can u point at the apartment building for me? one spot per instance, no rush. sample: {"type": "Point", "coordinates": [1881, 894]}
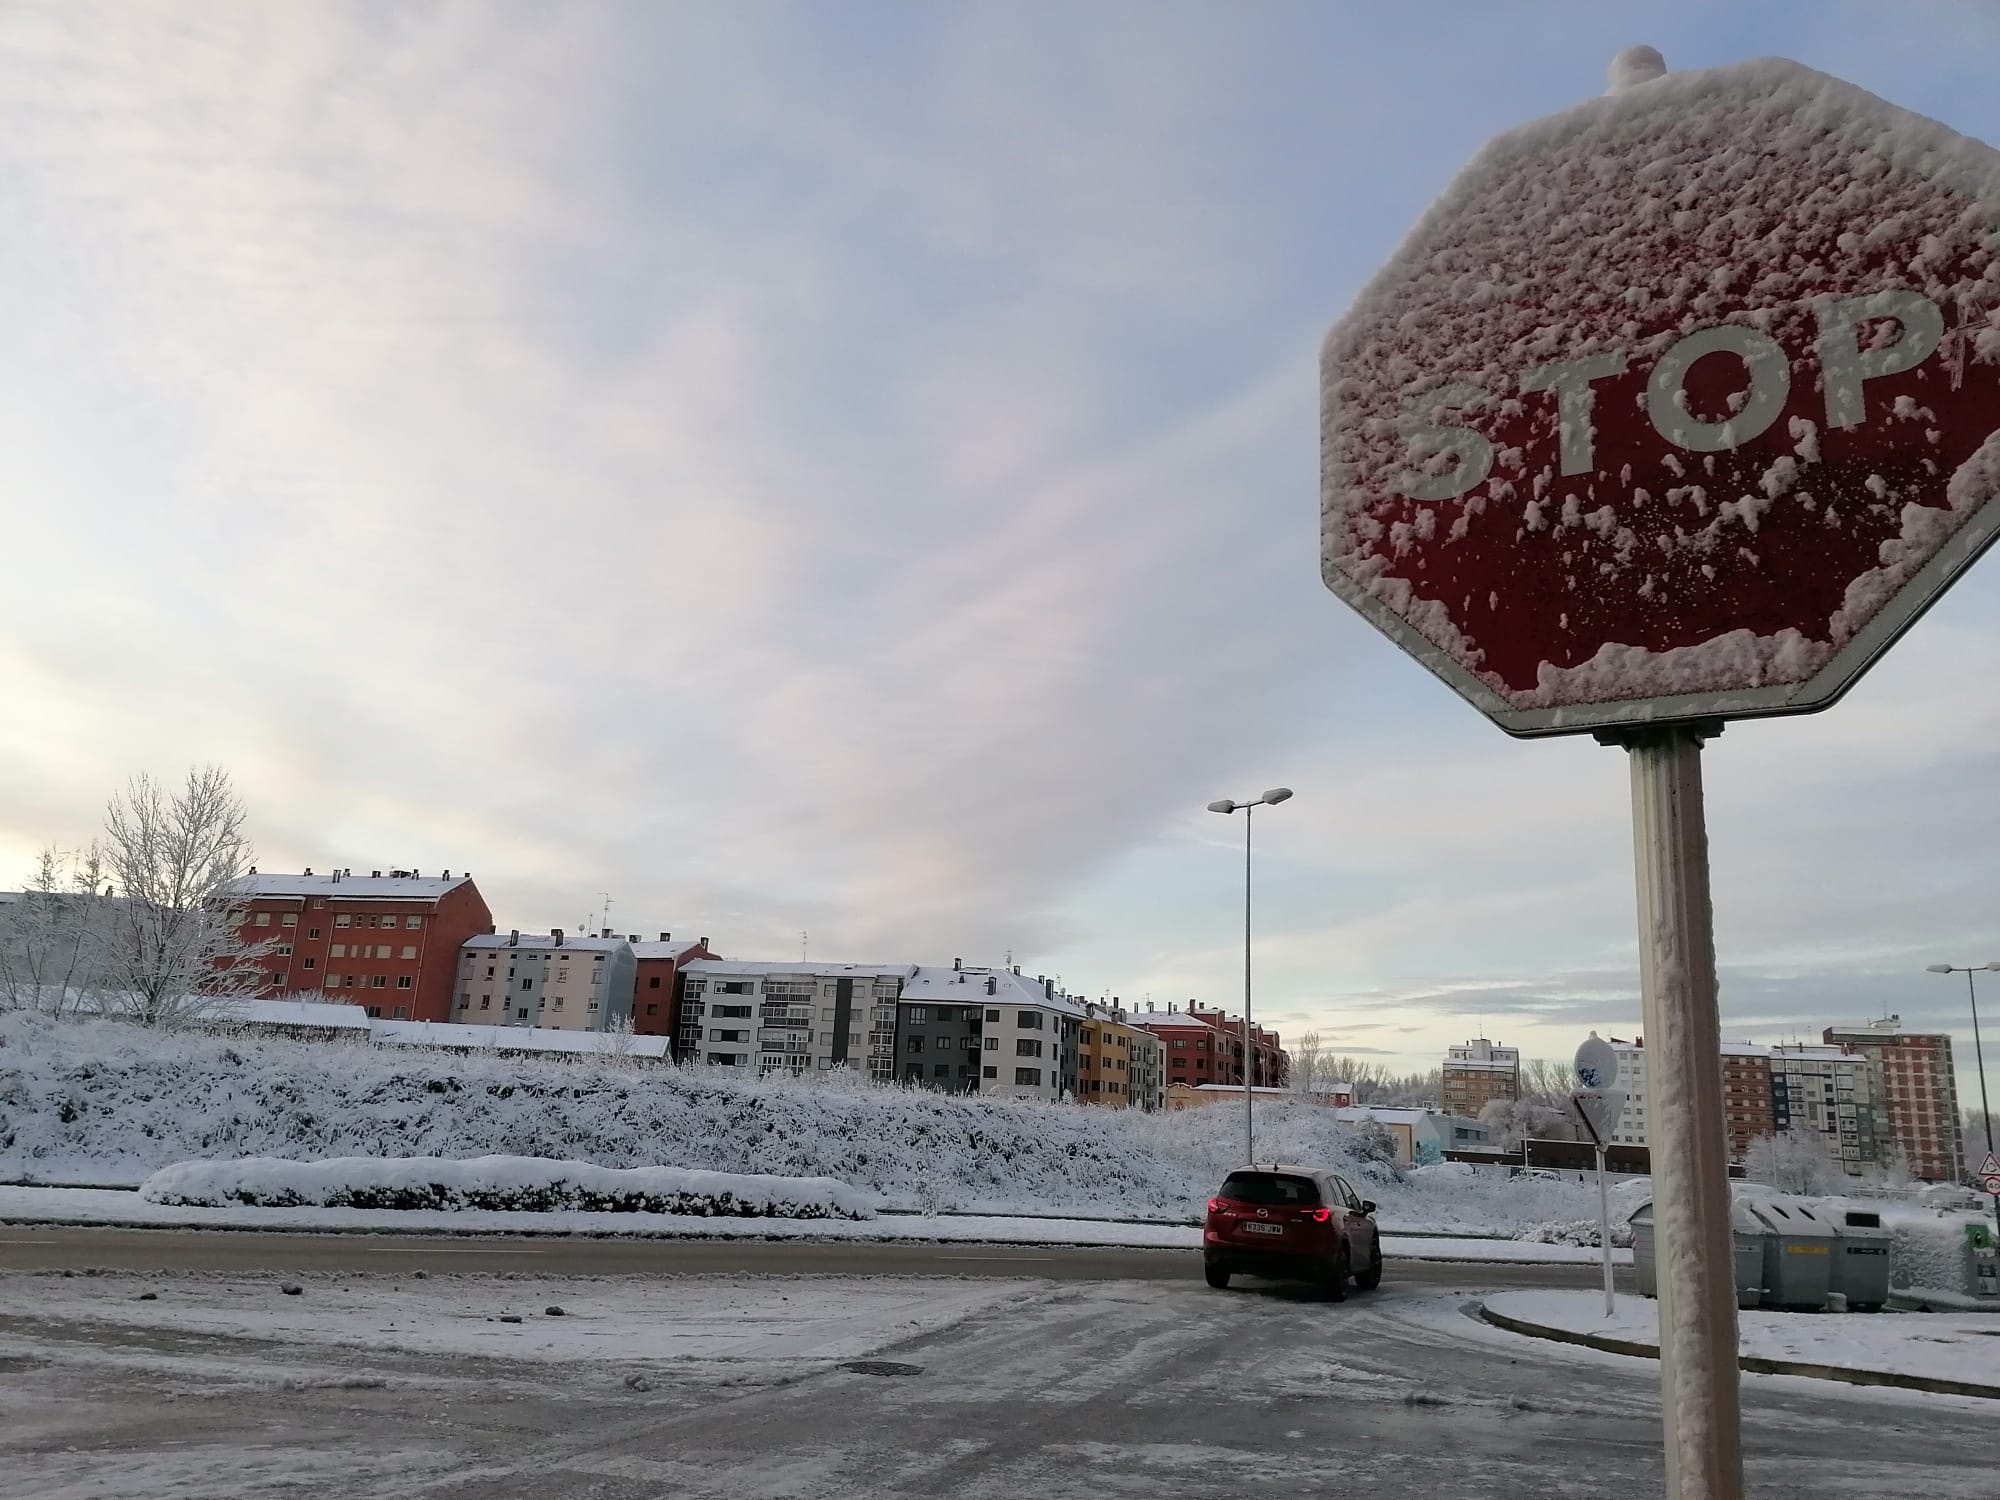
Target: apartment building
{"type": "Point", "coordinates": [1918, 1093]}
{"type": "Point", "coordinates": [1748, 1102]}
{"type": "Point", "coordinates": [656, 987]}
{"type": "Point", "coordinates": [1477, 1072]}
{"type": "Point", "coordinates": [1117, 1061]}
{"type": "Point", "coordinates": [552, 980]}
{"type": "Point", "coordinates": [1830, 1093]}
{"type": "Point", "coordinates": [1204, 1045]}
{"type": "Point", "coordinates": [388, 942]}
{"type": "Point", "coordinates": [789, 1017]}
{"type": "Point", "coordinates": [1029, 1034]}
{"type": "Point", "coordinates": [940, 1027]}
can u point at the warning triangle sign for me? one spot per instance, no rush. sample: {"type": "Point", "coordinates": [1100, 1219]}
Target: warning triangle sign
{"type": "Point", "coordinates": [1991, 1166]}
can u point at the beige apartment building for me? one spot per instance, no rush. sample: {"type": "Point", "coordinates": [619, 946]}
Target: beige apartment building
{"type": "Point", "coordinates": [551, 980]}
{"type": "Point", "coordinates": [1477, 1072]}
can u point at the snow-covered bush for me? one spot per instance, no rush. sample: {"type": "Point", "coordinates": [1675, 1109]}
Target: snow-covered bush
{"type": "Point", "coordinates": [507, 1183]}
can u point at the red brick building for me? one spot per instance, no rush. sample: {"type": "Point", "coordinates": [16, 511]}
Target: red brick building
{"type": "Point", "coordinates": [656, 1000]}
{"type": "Point", "coordinates": [1919, 1092]}
{"type": "Point", "coordinates": [386, 942]}
{"type": "Point", "coordinates": [1206, 1046]}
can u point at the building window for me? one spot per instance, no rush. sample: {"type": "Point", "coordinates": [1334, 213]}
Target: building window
{"type": "Point", "coordinates": [989, 1072]}
{"type": "Point", "coordinates": [653, 983]}
{"type": "Point", "coordinates": [333, 981]}
{"type": "Point", "coordinates": [652, 1010]}
{"type": "Point", "coordinates": [402, 1013]}
{"type": "Point", "coordinates": [312, 963]}
{"type": "Point", "coordinates": [521, 1015]}
{"type": "Point", "coordinates": [942, 1070]}
{"type": "Point", "coordinates": [1028, 1077]}
{"type": "Point", "coordinates": [289, 919]}
{"type": "Point", "coordinates": [528, 984]}
{"type": "Point", "coordinates": [405, 982]}
{"type": "Point", "coordinates": [413, 922]}
{"type": "Point", "coordinates": [916, 1044]}
{"type": "Point", "coordinates": [559, 1002]}
{"type": "Point", "coordinates": [313, 933]}
{"type": "Point", "coordinates": [319, 906]}
{"type": "Point", "coordinates": [485, 1002]}
{"type": "Point", "coordinates": [993, 1016]}
{"type": "Point", "coordinates": [375, 1012]}
{"type": "Point", "coordinates": [263, 919]}
{"type": "Point", "coordinates": [991, 1044]}
{"type": "Point", "coordinates": [379, 982]}
{"type": "Point", "coordinates": [343, 919]}
{"type": "Point", "coordinates": [1027, 1047]}
{"type": "Point", "coordinates": [1028, 1020]}
{"type": "Point", "coordinates": [918, 1015]}
{"type": "Point", "coordinates": [409, 953]}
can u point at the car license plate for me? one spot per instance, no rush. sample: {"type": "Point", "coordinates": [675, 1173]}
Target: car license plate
{"type": "Point", "coordinates": [1265, 1228]}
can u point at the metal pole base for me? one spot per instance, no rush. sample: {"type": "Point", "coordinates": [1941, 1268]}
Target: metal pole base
{"type": "Point", "coordinates": [1699, 1384]}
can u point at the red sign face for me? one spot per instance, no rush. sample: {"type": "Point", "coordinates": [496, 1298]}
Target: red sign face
{"type": "Point", "coordinates": [1681, 404]}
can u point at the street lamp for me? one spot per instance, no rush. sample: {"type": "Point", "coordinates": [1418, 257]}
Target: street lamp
{"type": "Point", "coordinates": [1271, 798]}
{"type": "Point", "coordinates": [1978, 1056]}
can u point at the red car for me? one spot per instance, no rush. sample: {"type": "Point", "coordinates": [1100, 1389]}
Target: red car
{"type": "Point", "coordinates": [1293, 1224]}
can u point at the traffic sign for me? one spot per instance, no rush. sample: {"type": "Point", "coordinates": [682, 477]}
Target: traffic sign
{"type": "Point", "coordinates": [1989, 1173]}
{"type": "Point", "coordinates": [1678, 405]}
{"type": "Point", "coordinates": [1596, 1063]}
{"type": "Point", "coordinates": [1597, 1112]}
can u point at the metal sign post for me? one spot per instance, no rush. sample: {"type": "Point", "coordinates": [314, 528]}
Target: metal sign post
{"type": "Point", "coordinates": [1597, 1106]}
{"type": "Point", "coordinates": [1699, 1386]}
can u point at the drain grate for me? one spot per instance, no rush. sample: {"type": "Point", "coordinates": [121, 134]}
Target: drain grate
{"type": "Point", "coordinates": [881, 1367]}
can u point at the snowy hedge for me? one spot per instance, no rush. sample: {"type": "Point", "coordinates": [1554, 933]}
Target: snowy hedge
{"type": "Point", "coordinates": [521, 1184]}
{"type": "Point", "coordinates": [87, 1101]}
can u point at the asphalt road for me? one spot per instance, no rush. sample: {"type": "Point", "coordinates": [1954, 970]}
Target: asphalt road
{"type": "Point", "coordinates": [1055, 1390]}
{"type": "Point", "coordinates": [58, 1248]}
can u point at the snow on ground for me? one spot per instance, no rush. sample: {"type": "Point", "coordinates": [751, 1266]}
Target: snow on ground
{"type": "Point", "coordinates": [107, 1103]}
{"type": "Point", "coordinates": [507, 1183]}
{"type": "Point", "coordinates": [636, 1321]}
{"type": "Point", "coordinates": [1961, 1347]}
{"type": "Point", "coordinates": [20, 1205]}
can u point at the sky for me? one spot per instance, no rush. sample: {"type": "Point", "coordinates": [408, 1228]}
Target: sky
{"type": "Point", "coordinates": [849, 474]}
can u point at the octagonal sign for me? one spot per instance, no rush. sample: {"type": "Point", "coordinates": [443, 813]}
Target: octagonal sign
{"type": "Point", "coordinates": [1681, 404]}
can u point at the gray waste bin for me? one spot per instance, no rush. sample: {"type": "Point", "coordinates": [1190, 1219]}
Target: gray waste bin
{"type": "Point", "coordinates": [1799, 1252]}
{"type": "Point", "coordinates": [1747, 1233]}
{"type": "Point", "coordinates": [1861, 1261]}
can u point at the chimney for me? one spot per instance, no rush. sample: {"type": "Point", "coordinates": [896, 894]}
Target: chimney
{"type": "Point", "coordinates": [956, 965]}
{"type": "Point", "coordinates": [666, 937]}
{"type": "Point", "coordinates": [336, 877]}
{"type": "Point", "coordinates": [1049, 988]}
{"type": "Point", "coordinates": [253, 869]}
{"type": "Point", "coordinates": [702, 941]}
{"type": "Point", "coordinates": [606, 933]}
{"type": "Point", "coordinates": [1017, 968]}
{"type": "Point", "coordinates": [309, 869]}
{"type": "Point", "coordinates": [514, 938]}
{"type": "Point", "coordinates": [377, 875]}
{"type": "Point", "coordinates": [557, 933]}
{"type": "Point", "coordinates": [631, 937]}
{"type": "Point", "coordinates": [447, 874]}
{"type": "Point", "coordinates": [992, 985]}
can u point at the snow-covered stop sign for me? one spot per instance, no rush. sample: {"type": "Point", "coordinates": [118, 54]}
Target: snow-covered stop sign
{"type": "Point", "coordinates": [1681, 404]}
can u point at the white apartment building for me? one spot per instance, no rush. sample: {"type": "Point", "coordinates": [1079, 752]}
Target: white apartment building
{"type": "Point", "coordinates": [786, 1017]}
{"type": "Point", "coordinates": [1028, 1034]}
{"type": "Point", "coordinates": [551, 980]}
{"type": "Point", "coordinates": [1832, 1094]}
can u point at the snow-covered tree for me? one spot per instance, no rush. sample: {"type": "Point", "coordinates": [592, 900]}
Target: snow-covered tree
{"type": "Point", "coordinates": [1306, 1058]}
{"type": "Point", "coordinates": [1513, 1121]}
{"type": "Point", "coordinates": [172, 950]}
{"type": "Point", "coordinates": [1792, 1161]}
{"type": "Point", "coordinates": [51, 934]}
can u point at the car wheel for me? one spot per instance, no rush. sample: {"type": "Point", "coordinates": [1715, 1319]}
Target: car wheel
{"type": "Point", "coordinates": [1371, 1278]}
{"type": "Point", "coordinates": [1216, 1277]}
{"type": "Point", "coordinates": [1333, 1280]}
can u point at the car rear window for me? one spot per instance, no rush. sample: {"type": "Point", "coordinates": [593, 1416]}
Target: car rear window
{"type": "Point", "coordinates": [1274, 1188]}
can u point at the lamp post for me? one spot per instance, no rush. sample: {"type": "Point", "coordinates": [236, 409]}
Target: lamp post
{"type": "Point", "coordinates": [1271, 798]}
{"type": "Point", "coordinates": [1978, 1056]}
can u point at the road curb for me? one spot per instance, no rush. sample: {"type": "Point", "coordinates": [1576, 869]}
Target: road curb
{"type": "Point", "coordinates": [1756, 1364]}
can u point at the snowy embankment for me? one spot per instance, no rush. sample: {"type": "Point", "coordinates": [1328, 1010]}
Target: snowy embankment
{"type": "Point", "coordinates": [505, 1184]}
{"type": "Point", "coordinates": [1937, 1347]}
{"type": "Point", "coordinates": [106, 1103]}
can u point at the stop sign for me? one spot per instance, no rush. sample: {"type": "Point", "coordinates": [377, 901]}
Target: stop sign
{"type": "Point", "coordinates": [1681, 404]}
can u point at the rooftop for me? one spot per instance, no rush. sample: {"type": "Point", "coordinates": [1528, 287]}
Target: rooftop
{"type": "Point", "coordinates": [546, 940]}
{"type": "Point", "coordinates": [966, 985]}
{"type": "Point", "coordinates": [750, 967]}
{"type": "Point", "coordinates": [670, 949]}
{"type": "Point", "coordinates": [397, 885]}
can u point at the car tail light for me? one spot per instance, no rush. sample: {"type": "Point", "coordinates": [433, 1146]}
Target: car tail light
{"type": "Point", "coordinates": [1320, 1215]}
{"type": "Point", "coordinates": [1217, 1205]}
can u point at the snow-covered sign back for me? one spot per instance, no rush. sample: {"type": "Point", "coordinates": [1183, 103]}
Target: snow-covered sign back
{"type": "Point", "coordinates": [1683, 403]}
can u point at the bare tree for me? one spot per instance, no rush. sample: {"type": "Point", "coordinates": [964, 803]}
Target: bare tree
{"type": "Point", "coordinates": [1305, 1062]}
{"type": "Point", "coordinates": [174, 952]}
{"type": "Point", "coordinates": [1513, 1121]}
{"type": "Point", "coordinates": [1546, 1081]}
{"type": "Point", "coordinates": [51, 934]}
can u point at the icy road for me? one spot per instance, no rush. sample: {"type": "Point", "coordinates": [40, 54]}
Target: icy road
{"type": "Point", "coordinates": [424, 1382]}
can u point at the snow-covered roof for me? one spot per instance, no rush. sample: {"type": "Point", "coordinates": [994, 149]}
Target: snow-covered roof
{"type": "Point", "coordinates": [1746, 1049]}
{"type": "Point", "coordinates": [751, 967]}
{"type": "Point", "coordinates": [538, 940]}
{"type": "Point", "coordinates": [663, 950]}
{"type": "Point", "coordinates": [331, 1015]}
{"type": "Point", "coordinates": [348, 887]}
{"type": "Point", "coordinates": [1479, 1065]}
{"type": "Point", "coordinates": [967, 986]}
{"type": "Point", "coordinates": [1356, 1114]}
{"type": "Point", "coordinates": [515, 1038]}
{"type": "Point", "coordinates": [1237, 1088]}
{"type": "Point", "coordinates": [1153, 1020]}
